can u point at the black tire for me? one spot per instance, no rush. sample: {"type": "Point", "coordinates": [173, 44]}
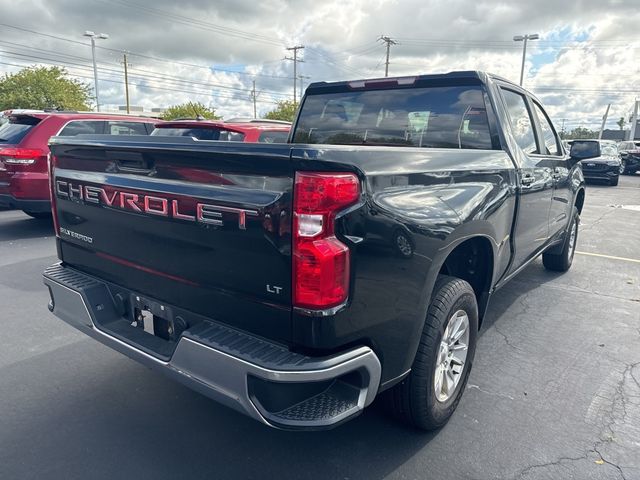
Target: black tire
{"type": "Point", "coordinates": [561, 261]}
{"type": "Point", "coordinates": [614, 182]}
{"type": "Point", "coordinates": [414, 400]}
{"type": "Point", "coordinates": [39, 215]}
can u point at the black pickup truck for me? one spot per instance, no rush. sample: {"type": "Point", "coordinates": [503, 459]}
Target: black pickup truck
{"type": "Point", "coordinates": [295, 282]}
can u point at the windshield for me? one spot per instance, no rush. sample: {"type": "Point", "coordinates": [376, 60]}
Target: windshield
{"type": "Point", "coordinates": [200, 133]}
{"type": "Point", "coordinates": [14, 131]}
{"type": "Point", "coordinates": [438, 117]}
{"type": "Point", "coordinates": [609, 150]}
{"type": "Point", "coordinates": [584, 149]}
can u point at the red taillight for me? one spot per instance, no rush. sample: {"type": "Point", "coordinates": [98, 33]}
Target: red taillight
{"type": "Point", "coordinates": [20, 156]}
{"type": "Point", "coordinates": [320, 260]}
{"type": "Point", "coordinates": [52, 194]}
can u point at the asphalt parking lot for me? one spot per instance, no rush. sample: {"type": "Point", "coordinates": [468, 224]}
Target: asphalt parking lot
{"type": "Point", "coordinates": [554, 392]}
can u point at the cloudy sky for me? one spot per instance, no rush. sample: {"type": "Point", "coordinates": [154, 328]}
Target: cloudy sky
{"type": "Point", "coordinates": [588, 54]}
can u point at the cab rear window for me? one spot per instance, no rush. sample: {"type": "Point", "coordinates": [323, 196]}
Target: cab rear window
{"type": "Point", "coordinates": [436, 117]}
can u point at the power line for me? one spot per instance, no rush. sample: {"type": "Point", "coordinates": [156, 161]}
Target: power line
{"type": "Point", "coordinates": [177, 18]}
{"type": "Point", "coordinates": [147, 73]}
{"type": "Point", "coordinates": [150, 87]}
{"type": "Point", "coordinates": [141, 55]}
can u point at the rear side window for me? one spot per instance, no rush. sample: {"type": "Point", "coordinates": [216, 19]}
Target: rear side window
{"type": "Point", "coordinates": [551, 141]}
{"type": "Point", "coordinates": [520, 120]}
{"type": "Point", "coordinates": [200, 133]}
{"type": "Point", "coordinates": [229, 136]}
{"type": "Point", "coordinates": [82, 127]}
{"type": "Point", "coordinates": [126, 128]}
{"type": "Point", "coordinates": [16, 129]}
{"type": "Point", "coordinates": [436, 117]}
{"type": "Point", "coordinates": [273, 137]}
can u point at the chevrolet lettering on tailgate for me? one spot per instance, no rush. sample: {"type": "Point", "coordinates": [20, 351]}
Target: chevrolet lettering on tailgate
{"type": "Point", "coordinates": [151, 204]}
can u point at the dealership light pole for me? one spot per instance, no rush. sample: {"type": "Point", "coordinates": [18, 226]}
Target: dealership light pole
{"type": "Point", "coordinates": [524, 38]}
{"type": "Point", "coordinates": [93, 36]}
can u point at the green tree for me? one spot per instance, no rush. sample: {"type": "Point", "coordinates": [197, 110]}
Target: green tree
{"type": "Point", "coordinates": [581, 132]}
{"type": "Point", "coordinates": [621, 123]}
{"type": "Point", "coordinates": [190, 110]}
{"type": "Point", "coordinates": [285, 110]}
{"type": "Point", "coordinates": [43, 87]}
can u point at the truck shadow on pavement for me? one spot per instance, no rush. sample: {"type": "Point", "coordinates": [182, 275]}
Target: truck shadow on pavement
{"type": "Point", "coordinates": [18, 226]}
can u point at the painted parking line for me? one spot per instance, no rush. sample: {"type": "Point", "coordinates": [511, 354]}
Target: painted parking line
{"type": "Point", "coordinates": [632, 260]}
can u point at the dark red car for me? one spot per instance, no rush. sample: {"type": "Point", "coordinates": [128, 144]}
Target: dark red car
{"type": "Point", "coordinates": [24, 182]}
{"type": "Point", "coordinates": [263, 131]}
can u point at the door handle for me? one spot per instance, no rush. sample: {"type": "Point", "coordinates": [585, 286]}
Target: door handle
{"type": "Point", "coordinates": [528, 179]}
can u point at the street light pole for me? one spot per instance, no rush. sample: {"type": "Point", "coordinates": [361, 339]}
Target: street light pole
{"type": "Point", "coordinates": [524, 38]}
{"type": "Point", "coordinates": [93, 36]}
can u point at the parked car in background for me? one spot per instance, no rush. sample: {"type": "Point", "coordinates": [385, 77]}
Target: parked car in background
{"type": "Point", "coordinates": [24, 139]}
{"type": "Point", "coordinates": [238, 130]}
{"type": "Point", "coordinates": [603, 160]}
{"type": "Point", "coordinates": [630, 156]}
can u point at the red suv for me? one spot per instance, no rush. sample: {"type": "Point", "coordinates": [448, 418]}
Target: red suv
{"type": "Point", "coordinates": [24, 182]}
{"type": "Point", "coordinates": [264, 131]}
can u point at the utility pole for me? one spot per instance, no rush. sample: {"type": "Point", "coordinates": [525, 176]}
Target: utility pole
{"type": "Point", "coordinates": [126, 80]}
{"type": "Point", "coordinates": [254, 97]}
{"type": "Point", "coordinates": [302, 78]}
{"type": "Point", "coordinates": [524, 38]}
{"type": "Point", "coordinates": [604, 120]}
{"type": "Point", "coordinates": [93, 37]}
{"type": "Point", "coordinates": [389, 41]}
{"type": "Point", "coordinates": [295, 66]}
{"type": "Point", "coordinates": [634, 120]}
{"type": "Point", "coordinates": [562, 128]}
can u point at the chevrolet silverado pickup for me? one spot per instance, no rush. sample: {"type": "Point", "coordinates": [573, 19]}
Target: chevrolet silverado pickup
{"type": "Point", "coordinates": [296, 282]}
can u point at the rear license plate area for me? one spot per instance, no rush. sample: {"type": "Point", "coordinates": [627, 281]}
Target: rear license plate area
{"type": "Point", "coordinates": [156, 318]}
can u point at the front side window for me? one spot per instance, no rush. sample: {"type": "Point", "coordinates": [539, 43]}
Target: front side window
{"type": "Point", "coordinates": [127, 128]}
{"type": "Point", "coordinates": [436, 117]}
{"type": "Point", "coordinates": [609, 150]}
{"type": "Point", "coordinates": [273, 137]}
{"type": "Point", "coordinates": [551, 142]}
{"type": "Point", "coordinates": [520, 120]}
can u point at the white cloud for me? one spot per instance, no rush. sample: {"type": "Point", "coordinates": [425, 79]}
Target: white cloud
{"type": "Point", "coordinates": [340, 36]}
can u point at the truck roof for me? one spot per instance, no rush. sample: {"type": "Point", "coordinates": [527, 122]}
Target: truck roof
{"type": "Point", "coordinates": [475, 76]}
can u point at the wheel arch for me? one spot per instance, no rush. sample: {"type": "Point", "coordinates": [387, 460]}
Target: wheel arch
{"type": "Point", "coordinates": [470, 253]}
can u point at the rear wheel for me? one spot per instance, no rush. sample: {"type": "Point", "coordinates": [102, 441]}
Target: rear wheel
{"type": "Point", "coordinates": [561, 261]}
{"type": "Point", "coordinates": [39, 215]}
{"type": "Point", "coordinates": [430, 394]}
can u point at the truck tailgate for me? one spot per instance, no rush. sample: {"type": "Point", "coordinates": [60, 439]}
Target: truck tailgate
{"type": "Point", "coordinates": [205, 228]}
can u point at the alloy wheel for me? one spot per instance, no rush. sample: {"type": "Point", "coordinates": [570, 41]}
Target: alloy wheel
{"type": "Point", "coordinates": [452, 356]}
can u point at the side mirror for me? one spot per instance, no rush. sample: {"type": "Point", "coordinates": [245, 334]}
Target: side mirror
{"type": "Point", "coordinates": [578, 152]}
